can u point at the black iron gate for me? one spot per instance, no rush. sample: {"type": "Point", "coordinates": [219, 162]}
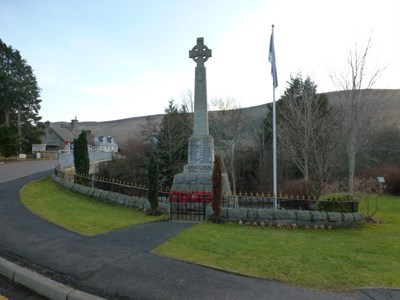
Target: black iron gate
{"type": "Point", "coordinates": [189, 206]}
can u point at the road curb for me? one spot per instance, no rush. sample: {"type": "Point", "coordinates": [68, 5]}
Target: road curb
{"type": "Point", "coordinates": [40, 284]}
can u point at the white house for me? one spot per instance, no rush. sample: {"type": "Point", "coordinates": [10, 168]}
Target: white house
{"type": "Point", "coordinates": [105, 144]}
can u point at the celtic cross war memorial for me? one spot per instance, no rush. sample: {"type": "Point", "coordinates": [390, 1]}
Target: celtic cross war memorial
{"type": "Point", "coordinates": [197, 173]}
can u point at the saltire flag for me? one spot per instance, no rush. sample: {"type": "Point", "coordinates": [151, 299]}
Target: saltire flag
{"type": "Point", "coordinates": [271, 59]}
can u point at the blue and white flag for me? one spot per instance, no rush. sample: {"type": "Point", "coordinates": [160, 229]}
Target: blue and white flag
{"type": "Point", "coordinates": [271, 58]}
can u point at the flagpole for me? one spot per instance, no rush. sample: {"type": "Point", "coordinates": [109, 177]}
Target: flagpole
{"type": "Point", "coordinates": [274, 85]}
{"type": "Point", "coordinates": [274, 148]}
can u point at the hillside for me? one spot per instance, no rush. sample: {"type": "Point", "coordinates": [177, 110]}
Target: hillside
{"type": "Point", "coordinates": [389, 99]}
{"type": "Point", "coordinates": [125, 129]}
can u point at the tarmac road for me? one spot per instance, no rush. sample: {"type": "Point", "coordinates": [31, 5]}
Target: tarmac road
{"type": "Point", "coordinates": [10, 170]}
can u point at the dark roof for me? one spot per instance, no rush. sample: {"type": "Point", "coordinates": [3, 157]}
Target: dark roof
{"type": "Point", "coordinates": [64, 133]}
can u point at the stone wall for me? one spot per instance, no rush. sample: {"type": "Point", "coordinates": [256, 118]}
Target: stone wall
{"type": "Point", "coordinates": [134, 202]}
{"type": "Point", "coordinates": [301, 218]}
{"type": "Point", "coordinates": [66, 159]}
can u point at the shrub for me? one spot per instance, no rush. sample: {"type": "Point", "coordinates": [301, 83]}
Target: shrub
{"type": "Point", "coordinates": [336, 187]}
{"type": "Point", "coordinates": [298, 187]}
{"type": "Point", "coordinates": [337, 202]}
{"type": "Point", "coordinates": [391, 175]}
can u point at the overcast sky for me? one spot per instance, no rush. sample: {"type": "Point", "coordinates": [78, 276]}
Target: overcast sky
{"type": "Point", "coordinates": [104, 60]}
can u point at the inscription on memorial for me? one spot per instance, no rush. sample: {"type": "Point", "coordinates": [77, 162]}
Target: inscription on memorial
{"type": "Point", "coordinates": [201, 150]}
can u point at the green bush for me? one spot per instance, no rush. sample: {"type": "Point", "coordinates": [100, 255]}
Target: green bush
{"type": "Point", "coordinates": [337, 202]}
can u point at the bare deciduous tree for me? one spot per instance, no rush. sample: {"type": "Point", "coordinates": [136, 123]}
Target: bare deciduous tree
{"type": "Point", "coordinates": [149, 130]}
{"type": "Point", "coordinates": [308, 132]}
{"type": "Point", "coordinates": [188, 101]}
{"type": "Point", "coordinates": [358, 106]}
{"type": "Point", "coordinates": [225, 126]}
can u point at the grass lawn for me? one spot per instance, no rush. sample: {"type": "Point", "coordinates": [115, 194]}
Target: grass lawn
{"type": "Point", "coordinates": [335, 259]}
{"type": "Point", "coordinates": [77, 212]}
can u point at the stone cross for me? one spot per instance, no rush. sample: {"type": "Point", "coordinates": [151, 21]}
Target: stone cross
{"type": "Point", "coordinates": [200, 54]}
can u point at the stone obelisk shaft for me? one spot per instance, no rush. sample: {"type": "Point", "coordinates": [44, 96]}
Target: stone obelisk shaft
{"type": "Point", "coordinates": [200, 124]}
{"type": "Point", "coordinates": [200, 54]}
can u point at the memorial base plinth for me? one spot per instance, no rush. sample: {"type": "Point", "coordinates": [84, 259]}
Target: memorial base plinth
{"type": "Point", "coordinates": [198, 182]}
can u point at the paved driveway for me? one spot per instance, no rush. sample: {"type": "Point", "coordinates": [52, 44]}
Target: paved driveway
{"type": "Point", "coordinates": [120, 265]}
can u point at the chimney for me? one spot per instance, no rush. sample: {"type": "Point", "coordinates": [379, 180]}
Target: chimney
{"type": "Point", "coordinates": [74, 124]}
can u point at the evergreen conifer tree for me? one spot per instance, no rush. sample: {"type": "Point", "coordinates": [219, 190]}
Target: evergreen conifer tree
{"type": "Point", "coordinates": [81, 154]}
{"type": "Point", "coordinates": [217, 189]}
{"type": "Point", "coordinates": [153, 184]}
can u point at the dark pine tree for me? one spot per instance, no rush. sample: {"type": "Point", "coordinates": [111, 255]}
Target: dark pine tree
{"type": "Point", "coordinates": [217, 189]}
{"type": "Point", "coordinates": [153, 184]}
{"type": "Point", "coordinates": [19, 103]}
{"type": "Point", "coordinates": [81, 154]}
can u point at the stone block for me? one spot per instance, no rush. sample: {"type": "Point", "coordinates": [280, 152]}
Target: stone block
{"type": "Point", "coordinates": [90, 192]}
{"type": "Point", "coordinates": [96, 193]}
{"type": "Point", "coordinates": [119, 198]}
{"type": "Point", "coordinates": [128, 201]}
{"type": "Point", "coordinates": [224, 213]}
{"type": "Point", "coordinates": [75, 188]}
{"type": "Point", "coordinates": [252, 214]}
{"type": "Point", "coordinates": [284, 215]}
{"type": "Point", "coordinates": [135, 203]}
{"type": "Point", "coordinates": [84, 190]}
{"type": "Point", "coordinates": [237, 214]}
{"type": "Point", "coordinates": [198, 168]}
{"type": "Point", "coordinates": [347, 217]}
{"type": "Point", "coordinates": [179, 178]}
{"type": "Point", "coordinates": [266, 214]}
{"type": "Point", "coordinates": [318, 216]}
{"type": "Point", "coordinates": [163, 208]}
{"type": "Point", "coordinates": [358, 217]}
{"type": "Point", "coordinates": [147, 205]}
{"type": "Point", "coordinates": [204, 179]}
{"type": "Point", "coordinates": [104, 195]}
{"type": "Point", "coordinates": [111, 197]}
{"type": "Point", "coordinates": [140, 203]}
{"type": "Point", "coordinates": [334, 217]}
{"type": "Point", "coordinates": [68, 185]}
{"type": "Point", "coordinates": [191, 179]}
{"type": "Point", "coordinates": [303, 215]}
